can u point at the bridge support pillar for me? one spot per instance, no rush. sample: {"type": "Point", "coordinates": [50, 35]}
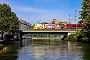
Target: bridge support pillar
{"type": "Point", "coordinates": [71, 33]}
{"type": "Point", "coordinates": [19, 34]}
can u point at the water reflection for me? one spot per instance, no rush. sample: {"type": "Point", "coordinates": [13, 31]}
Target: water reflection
{"type": "Point", "coordinates": [50, 50]}
{"type": "Point", "coordinates": [9, 52]}
{"type": "Point", "coordinates": [46, 50]}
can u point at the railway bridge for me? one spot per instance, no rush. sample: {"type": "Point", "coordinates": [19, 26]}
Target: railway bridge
{"type": "Point", "coordinates": [46, 34]}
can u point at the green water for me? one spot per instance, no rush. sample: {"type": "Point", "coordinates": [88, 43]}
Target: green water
{"type": "Point", "coordinates": [46, 50]}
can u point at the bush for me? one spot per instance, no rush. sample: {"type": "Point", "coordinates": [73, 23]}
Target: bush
{"type": "Point", "coordinates": [70, 37]}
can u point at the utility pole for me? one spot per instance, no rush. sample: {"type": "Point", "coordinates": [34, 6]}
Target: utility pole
{"type": "Point", "coordinates": [69, 18]}
{"type": "Point", "coordinates": [75, 23]}
{"type": "Point", "coordinates": [75, 19]}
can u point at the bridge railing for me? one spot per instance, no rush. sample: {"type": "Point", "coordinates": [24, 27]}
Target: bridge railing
{"type": "Point", "coordinates": [52, 30]}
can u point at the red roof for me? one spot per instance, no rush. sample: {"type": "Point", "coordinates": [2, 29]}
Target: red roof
{"type": "Point", "coordinates": [23, 22]}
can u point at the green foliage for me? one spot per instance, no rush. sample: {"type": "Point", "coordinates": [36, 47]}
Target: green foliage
{"type": "Point", "coordinates": [8, 19]}
{"type": "Point", "coordinates": [81, 21]}
{"type": "Point", "coordinates": [44, 23]}
{"type": "Point", "coordinates": [84, 33]}
{"type": "Point", "coordinates": [53, 22]}
{"type": "Point", "coordinates": [71, 37]}
{"type": "Point", "coordinates": [85, 18]}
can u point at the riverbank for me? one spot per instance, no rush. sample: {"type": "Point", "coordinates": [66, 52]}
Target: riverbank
{"type": "Point", "coordinates": [4, 42]}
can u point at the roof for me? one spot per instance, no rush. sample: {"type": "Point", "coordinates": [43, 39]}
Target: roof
{"type": "Point", "coordinates": [24, 22]}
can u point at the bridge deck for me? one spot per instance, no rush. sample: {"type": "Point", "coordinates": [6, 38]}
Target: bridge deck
{"type": "Point", "coordinates": [48, 31]}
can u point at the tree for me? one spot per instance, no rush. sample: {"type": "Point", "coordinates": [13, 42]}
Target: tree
{"type": "Point", "coordinates": [8, 19]}
{"type": "Point", "coordinates": [53, 22]}
{"type": "Point", "coordinates": [44, 23]}
{"type": "Point", "coordinates": [85, 18]}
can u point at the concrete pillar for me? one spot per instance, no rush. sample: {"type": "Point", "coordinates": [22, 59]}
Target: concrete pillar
{"type": "Point", "coordinates": [69, 33]}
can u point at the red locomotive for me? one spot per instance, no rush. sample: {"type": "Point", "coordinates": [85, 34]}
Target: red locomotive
{"type": "Point", "coordinates": [71, 26]}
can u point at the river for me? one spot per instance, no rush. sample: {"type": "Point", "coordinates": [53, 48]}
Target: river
{"type": "Point", "coordinates": [46, 50]}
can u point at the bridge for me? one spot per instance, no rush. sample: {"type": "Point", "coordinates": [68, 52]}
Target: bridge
{"type": "Point", "coordinates": [47, 34]}
{"type": "Point", "coordinates": [50, 31]}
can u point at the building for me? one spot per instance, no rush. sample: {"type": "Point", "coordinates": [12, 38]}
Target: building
{"type": "Point", "coordinates": [23, 25]}
{"type": "Point", "coordinates": [55, 21]}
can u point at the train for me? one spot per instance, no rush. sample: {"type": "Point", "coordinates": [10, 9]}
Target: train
{"type": "Point", "coordinates": [56, 26]}
{"type": "Point", "coordinates": [74, 25]}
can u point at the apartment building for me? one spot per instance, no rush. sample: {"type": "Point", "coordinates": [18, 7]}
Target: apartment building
{"type": "Point", "coordinates": [24, 25]}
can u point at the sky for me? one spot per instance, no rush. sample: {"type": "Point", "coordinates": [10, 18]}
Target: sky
{"type": "Point", "coordinates": [45, 10]}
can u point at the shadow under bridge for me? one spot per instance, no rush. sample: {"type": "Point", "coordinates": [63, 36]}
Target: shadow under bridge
{"type": "Point", "coordinates": [44, 35]}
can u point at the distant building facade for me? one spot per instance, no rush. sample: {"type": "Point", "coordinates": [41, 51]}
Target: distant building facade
{"type": "Point", "coordinates": [23, 25]}
{"type": "Point", "coordinates": [55, 21]}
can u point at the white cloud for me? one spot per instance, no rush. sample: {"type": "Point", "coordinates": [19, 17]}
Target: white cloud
{"type": "Point", "coordinates": [32, 15]}
{"type": "Point", "coordinates": [27, 9]}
